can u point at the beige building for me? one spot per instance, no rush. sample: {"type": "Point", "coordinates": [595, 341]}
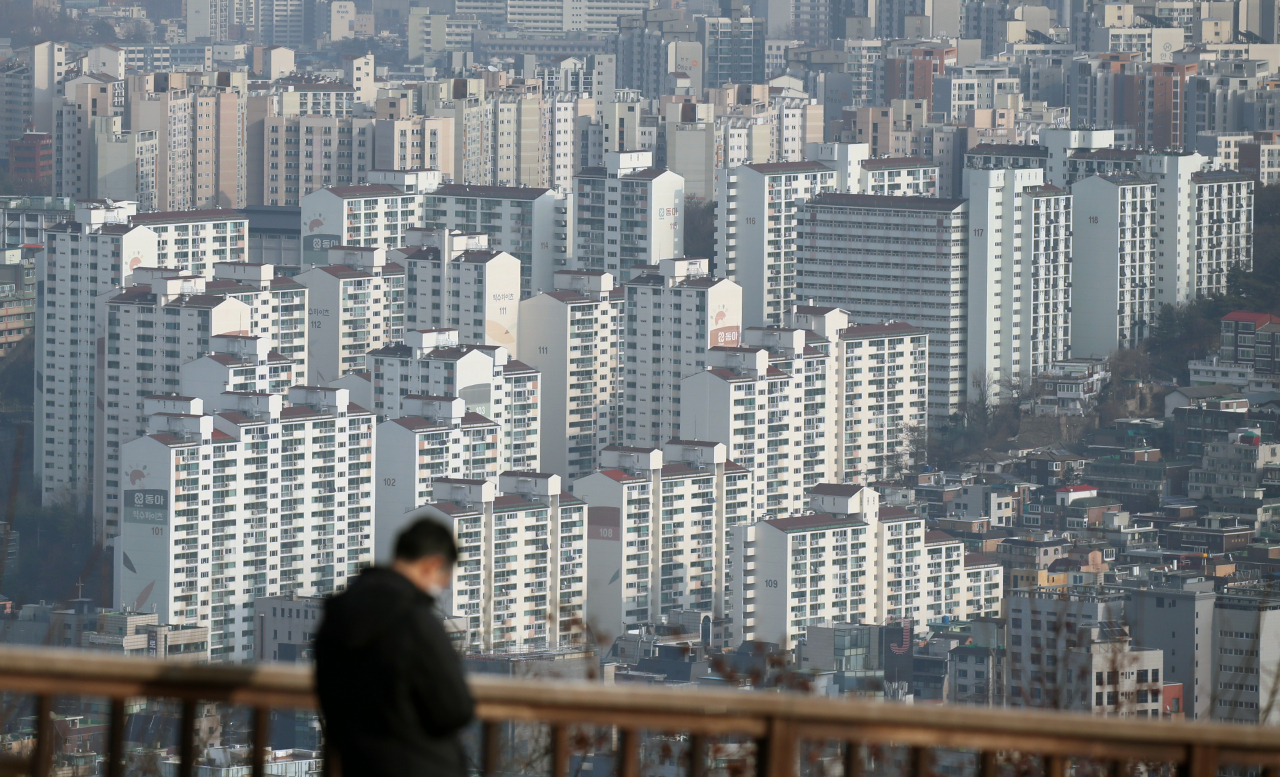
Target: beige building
{"type": "Point", "coordinates": [303, 154]}
{"type": "Point", "coordinates": [522, 137]}
{"type": "Point", "coordinates": [201, 133]}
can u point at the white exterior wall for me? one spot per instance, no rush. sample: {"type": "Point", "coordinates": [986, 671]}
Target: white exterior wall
{"type": "Point", "coordinates": [756, 232]}
{"type": "Point", "coordinates": [573, 338]}
{"type": "Point", "coordinates": [677, 523]}
{"type": "Point", "coordinates": [631, 214]}
{"type": "Point", "coordinates": [84, 258]}
{"type": "Point", "coordinates": [414, 451]}
{"type": "Point", "coordinates": [1012, 266]}
{"type": "Point", "coordinates": [1115, 262]}
{"type": "Point", "coordinates": [521, 571]}
{"type": "Point", "coordinates": [664, 343]}
{"type": "Point", "coordinates": [352, 308]}
{"type": "Point", "coordinates": [277, 528]}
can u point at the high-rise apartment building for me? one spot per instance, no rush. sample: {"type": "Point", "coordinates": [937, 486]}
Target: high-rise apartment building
{"type": "Point", "coordinates": [756, 219]}
{"type": "Point", "coordinates": [842, 239]}
{"type": "Point", "coordinates": [372, 215]}
{"type": "Point", "coordinates": [673, 316]}
{"type": "Point", "coordinates": [626, 213]}
{"type": "Point", "coordinates": [733, 47]}
{"type": "Point", "coordinates": [355, 304]}
{"type": "Point", "coordinates": [95, 253]}
{"type": "Point", "coordinates": [461, 284]}
{"type": "Point", "coordinates": [522, 559]}
{"type": "Point", "coordinates": [850, 559]}
{"type": "Point", "coordinates": [303, 154]}
{"type": "Point", "coordinates": [1115, 262]}
{"type": "Point", "coordinates": [152, 328]}
{"type": "Point", "coordinates": [285, 488]}
{"type": "Point", "coordinates": [522, 136]}
{"type": "Point", "coordinates": [432, 363]}
{"type": "Point", "coordinates": [879, 397]}
{"type": "Point", "coordinates": [201, 135]}
{"type": "Point", "coordinates": [528, 222]}
{"type": "Point", "coordinates": [1019, 294]}
{"type": "Point", "coordinates": [678, 506]}
{"type": "Point", "coordinates": [465, 105]}
{"type": "Point", "coordinates": [572, 334]}
{"type": "Point", "coordinates": [768, 400]}
{"type": "Point", "coordinates": [436, 437]}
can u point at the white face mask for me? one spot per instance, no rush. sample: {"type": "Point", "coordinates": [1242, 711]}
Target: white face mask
{"type": "Point", "coordinates": [434, 591]}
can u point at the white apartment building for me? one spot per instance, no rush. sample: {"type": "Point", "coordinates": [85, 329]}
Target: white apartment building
{"type": "Point", "coordinates": [457, 282]}
{"type": "Point", "coordinates": [520, 578]}
{"type": "Point", "coordinates": [355, 304]}
{"type": "Point", "coordinates": [151, 330]}
{"type": "Point", "coordinates": [278, 305]}
{"type": "Point", "coordinates": [375, 215]}
{"type": "Point", "coordinates": [767, 400]}
{"type": "Point", "coordinates": [437, 437]}
{"type": "Point", "coordinates": [845, 158]}
{"type": "Point", "coordinates": [573, 336]}
{"type": "Point", "coordinates": [673, 316]}
{"type": "Point", "coordinates": [1115, 262]}
{"type": "Point", "coordinates": [83, 258]}
{"type": "Point", "coordinates": [899, 177]}
{"type": "Point", "coordinates": [305, 153]}
{"type": "Point", "coordinates": [194, 240]}
{"type": "Point", "coordinates": [678, 506]}
{"type": "Point", "coordinates": [262, 498]}
{"type": "Point", "coordinates": [1019, 292]}
{"type": "Point", "coordinates": [528, 222]}
{"type": "Point", "coordinates": [756, 216]}
{"type": "Point", "coordinates": [237, 363]}
{"type": "Point", "coordinates": [626, 213]}
{"type": "Point", "coordinates": [879, 398]}
{"type": "Point", "coordinates": [1180, 227]}
{"type": "Point", "coordinates": [848, 559]}
{"type": "Point", "coordinates": [1223, 203]}
{"type": "Point", "coordinates": [844, 242]}
{"type": "Point", "coordinates": [432, 363]}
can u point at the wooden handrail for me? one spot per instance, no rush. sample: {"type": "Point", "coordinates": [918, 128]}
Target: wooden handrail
{"type": "Point", "coordinates": [774, 719]}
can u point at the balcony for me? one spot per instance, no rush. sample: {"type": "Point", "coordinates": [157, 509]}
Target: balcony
{"type": "Point", "coordinates": [771, 733]}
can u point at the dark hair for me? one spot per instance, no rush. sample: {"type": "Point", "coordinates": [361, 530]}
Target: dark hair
{"type": "Point", "coordinates": [426, 537]}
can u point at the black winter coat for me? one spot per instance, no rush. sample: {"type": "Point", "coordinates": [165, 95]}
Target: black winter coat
{"type": "Point", "coordinates": [391, 686]}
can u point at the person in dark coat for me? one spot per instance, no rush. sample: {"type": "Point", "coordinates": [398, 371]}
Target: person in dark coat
{"type": "Point", "coordinates": [392, 691]}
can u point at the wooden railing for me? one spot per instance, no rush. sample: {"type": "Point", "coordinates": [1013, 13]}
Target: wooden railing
{"type": "Point", "coordinates": [774, 725]}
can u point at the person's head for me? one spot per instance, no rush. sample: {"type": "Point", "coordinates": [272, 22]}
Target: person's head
{"type": "Point", "coordinates": [425, 553]}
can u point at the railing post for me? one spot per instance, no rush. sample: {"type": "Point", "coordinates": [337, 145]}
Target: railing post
{"type": "Point", "coordinates": [559, 750]}
{"type": "Point", "coordinates": [775, 753]}
{"type": "Point", "coordinates": [854, 764]}
{"type": "Point", "coordinates": [42, 758]}
{"type": "Point", "coordinates": [1202, 761]}
{"type": "Point", "coordinates": [261, 741]}
{"type": "Point", "coordinates": [187, 740]}
{"type": "Point", "coordinates": [1055, 766]}
{"type": "Point", "coordinates": [988, 764]}
{"type": "Point", "coordinates": [114, 766]}
{"type": "Point", "coordinates": [490, 742]}
{"type": "Point", "coordinates": [628, 754]}
{"type": "Point", "coordinates": [698, 756]}
{"type": "Point", "coordinates": [1119, 768]}
{"type": "Point", "coordinates": [921, 762]}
